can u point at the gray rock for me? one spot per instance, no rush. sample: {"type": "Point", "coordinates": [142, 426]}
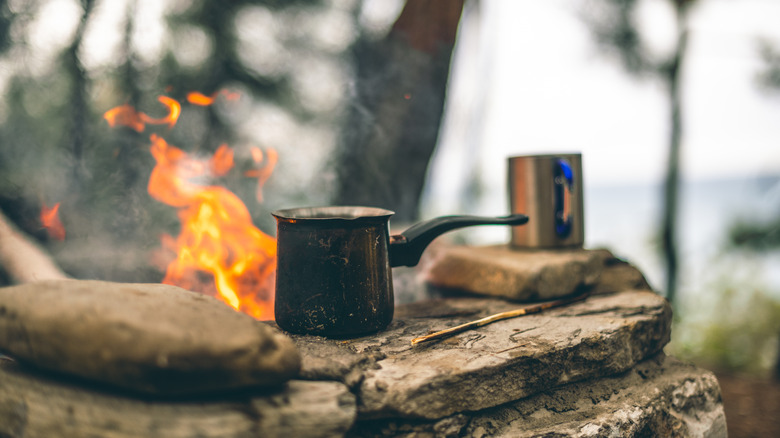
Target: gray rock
{"type": "Point", "coordinates": [618, 275]}
{"type": "Point", "coordinates": [145, 337]}
{"type": "Point", "coordinates": [659, 397]}
{"type": "Point", "coordinates": [495, 364]}
{"type": "Point", "coordinates": [520, 275]}
{"type": "Point", "coordinates": [306, 409]}
{"type": "Point", "coordinates": [328, 359]}
{"type": "Point", "coordinates": [34, 405]}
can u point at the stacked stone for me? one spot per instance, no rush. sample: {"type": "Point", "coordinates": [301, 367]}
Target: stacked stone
{"type": "Point", "coordinates": [94, 358]}
{"type": "Point", "coordinates": [592, 368]}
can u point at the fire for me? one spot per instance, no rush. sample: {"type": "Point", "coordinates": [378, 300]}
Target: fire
{"type": "Point", "coordinates": [217, 237]}
{"type": "Point", "coordinates": [263, 173]}
{"type": "Point", "coordinates": [126, 115]}
{"type": "Point", "coordinates": [199, 99]}
{"type": "Point", "coordinates": [50, 220]}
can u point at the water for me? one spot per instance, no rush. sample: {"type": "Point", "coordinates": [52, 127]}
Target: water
{"type": "Point", "coordinates": [626, 219]}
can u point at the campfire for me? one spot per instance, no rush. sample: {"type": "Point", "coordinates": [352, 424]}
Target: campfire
{"type": "Point", "coordinates": [218, 251]}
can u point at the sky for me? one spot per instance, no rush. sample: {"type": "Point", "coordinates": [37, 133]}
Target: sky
{"type": "Point", "coordinates": [527, 78]}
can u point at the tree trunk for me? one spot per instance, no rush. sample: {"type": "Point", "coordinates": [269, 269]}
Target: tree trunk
{"type": "Point", "coordinates": [672, 181]}
{"type": "Point", "coordinates": [79, 114]}
{"type": "Point", "coordinates": [393, 123]}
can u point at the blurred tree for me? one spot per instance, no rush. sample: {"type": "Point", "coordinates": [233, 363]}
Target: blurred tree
{"type": "Point", "coordinates": [394, 114]}
{"type": "Point", "coordinates": [770, 77]}
{"type": "Point", "coordinates": [614, 26]}
{"type": "Point", "coordinates": [757, 236]}
{"type": "Point", "coordinates": [222, 66]}
{"type": "Point", "coordinates": [79, 116]}
{"type": "Point", "coordinates": [743, 315]}
{"type": "Point", "coordinates": [57, 148]}
{"type": "Point", "coordinates": [7, 17]}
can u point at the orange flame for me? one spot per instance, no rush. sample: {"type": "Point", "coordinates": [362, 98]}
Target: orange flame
{"type": "Point", "coordinates": [262, 174]}
{"type": "Point", "coordinates": [50, 220]}
{"type": "Point", "coordinates": [217, 236]}
{"type": "Point", "coordinates": [200, 99]}
{"type": "Point", "coordinates": [126, 115]}
{"type": "Point", "coordinates": [222, 161]}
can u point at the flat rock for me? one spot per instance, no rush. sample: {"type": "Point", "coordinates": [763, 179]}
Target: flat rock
{"type": "Point", "coordinates": [618, 275]}
{"type": "Point", "coordinates": [495, 364]}
{"type": "Point", "coordinates": [515, 274]}
{"type": "Point", "coordinates": [36, 405]}
{"type": "Point", "coordinates": [145, 337]}
{"type": "Point", "coordinates": [659, 397]}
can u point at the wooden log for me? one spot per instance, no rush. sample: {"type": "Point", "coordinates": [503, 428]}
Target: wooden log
{"type": "Point", "coordinates": [23, 259]}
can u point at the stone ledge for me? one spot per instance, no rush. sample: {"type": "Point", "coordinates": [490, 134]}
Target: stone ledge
{"type": "Point", "coordinates": [519, 275]}
{"type": "Point", "coordinates": [659, 397]}
{"type": "Point", "coordinates": [492, 365]}
{"type": "Point", "coordinates": [37, 405]}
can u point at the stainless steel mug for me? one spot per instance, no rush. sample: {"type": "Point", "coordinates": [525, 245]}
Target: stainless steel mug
{"type": "Point", "coordinates": [547, 188]}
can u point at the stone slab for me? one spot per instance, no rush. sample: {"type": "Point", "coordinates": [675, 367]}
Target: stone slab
{"type": "Point", "coordinates": [618, 275]}
{"type": "Point", "coordinates": [36, 405]}
{"type": "Point", "coordinates": [659, 397]}
{"type": "Point", "coordinates": [151, 338]}
{"type": "Point", "coordinates": [495, 364]}
{"type": "Point", "coordinates": [519, 275]}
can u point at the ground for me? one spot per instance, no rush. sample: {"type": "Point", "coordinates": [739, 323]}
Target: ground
{"type": "Point", "coordinates": [752, 405]}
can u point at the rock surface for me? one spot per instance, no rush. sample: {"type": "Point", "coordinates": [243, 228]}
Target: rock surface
{"type": "Point", "coordinates": [659, 397]}
{"type": "Point", "coordinates": [145, 337]}
{"type": "Point", "coordinates": [495, 364]}
{"type": "Point", "coordinates": [33, 405]}
{"type": "Point", "coordinates": [593, 368]}
{"type": "Point", "coordinates": [618, 275]}
{"type": "Point", "coordinates": [519, 275]}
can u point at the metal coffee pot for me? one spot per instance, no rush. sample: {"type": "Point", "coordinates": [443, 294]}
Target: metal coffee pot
{"type": "Point", "coordinates": [333, 273]}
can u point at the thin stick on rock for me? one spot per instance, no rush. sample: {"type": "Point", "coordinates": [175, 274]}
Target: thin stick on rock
{"type": "Point", "coordinates": [497, 317]}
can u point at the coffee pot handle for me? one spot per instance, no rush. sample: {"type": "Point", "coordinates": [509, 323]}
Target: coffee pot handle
{"type": "Point", "coordinates": [407, 248]}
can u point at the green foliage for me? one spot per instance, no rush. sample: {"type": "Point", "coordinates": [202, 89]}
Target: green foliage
{"type": "Point", "coordinates": [770, 76]}
{"type": "Point", "coordinates": [755, 236]}
{"type": "Point", "coordinates": [734, 326]}
{"type": "Point", "coordinates": [613, 26]}
{"type": "Point", "coordinates": [6, 20]}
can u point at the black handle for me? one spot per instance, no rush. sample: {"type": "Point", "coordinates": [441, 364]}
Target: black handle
{"type": "Point", "coordinates": [407, 248]}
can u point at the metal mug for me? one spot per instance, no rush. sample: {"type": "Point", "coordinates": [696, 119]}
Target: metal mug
{"type": "Point", "coordinates": [333, 265]}
{"type": "Point", "coordinates": [548, 188]}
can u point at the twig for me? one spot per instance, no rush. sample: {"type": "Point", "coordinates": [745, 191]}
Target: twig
{"type": "Point", "coordinates": [497, 317]}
